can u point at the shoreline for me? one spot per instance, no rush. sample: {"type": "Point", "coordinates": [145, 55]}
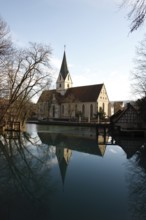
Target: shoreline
{"type": "Point", "coordinates": [70, 123]}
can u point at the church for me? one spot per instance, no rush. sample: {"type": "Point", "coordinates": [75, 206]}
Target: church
{"type": "Point", "coordinates": [68, 102]}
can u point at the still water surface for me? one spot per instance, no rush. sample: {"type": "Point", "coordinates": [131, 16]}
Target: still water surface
{"type": "Point", "coordinates": [53, 173]}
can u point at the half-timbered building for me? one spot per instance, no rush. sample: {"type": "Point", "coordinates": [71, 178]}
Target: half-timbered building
{"type": "Point", "coordinates": [127, 118]}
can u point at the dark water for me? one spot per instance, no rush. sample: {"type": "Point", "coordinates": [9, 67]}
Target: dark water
{"type": "Point", "coordinates": [52, 172]}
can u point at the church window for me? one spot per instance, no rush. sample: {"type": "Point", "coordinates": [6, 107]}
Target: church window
{"type": "Point", "coordinates": [60, 85]}
{"type": "Point", "coordinates": [62, 109]}
{"type": "Point", "coordinates": [60, 77]}
{"type": "Point", "coordinates": [91, 111]}
{"type": "Point", "coordinates": [67, 85]}
{"type": "Point", "coordinates": [69, 110]}
{"type": "Point", "coordinates": [68, 77]}
{"type": "Point", "coordinates": [83, 109]}
{"type": "Point", "coordinates": [53, 111]}
{"type": "Point", "coordinates": [103, 106]}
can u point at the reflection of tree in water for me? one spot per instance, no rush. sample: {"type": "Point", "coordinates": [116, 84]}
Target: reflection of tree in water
{"type": "Point", "coordinates": [137, 185]}
{"type": "Point", "coordinates": [24, 178]}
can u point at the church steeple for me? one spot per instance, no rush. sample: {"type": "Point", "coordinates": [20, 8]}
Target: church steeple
{"type": "Point", "coordinates": [64, 68]}
{"type": "Point", "coordinates": [64, 80]}
{"type": "Point", "coordinates": [63, 156]}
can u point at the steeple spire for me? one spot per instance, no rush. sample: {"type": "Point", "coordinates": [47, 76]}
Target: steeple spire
{"type": "Point", "coordinates": [64, 80]}
{"type": "Point", "coordinates": [64, 68]}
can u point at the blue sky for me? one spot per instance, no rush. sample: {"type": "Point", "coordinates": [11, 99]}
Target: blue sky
{"type": "Point", "coordinates": [99, 48]}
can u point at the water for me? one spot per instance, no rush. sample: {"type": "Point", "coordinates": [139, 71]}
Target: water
{"type": "Point", "coordinates": [53, 172]}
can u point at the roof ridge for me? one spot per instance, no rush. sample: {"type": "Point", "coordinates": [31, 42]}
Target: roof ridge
{"type": "Point", "coordinates": [87, 86]}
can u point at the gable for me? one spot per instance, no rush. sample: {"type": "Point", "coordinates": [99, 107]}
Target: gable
{"type": "Point", "coordinates": [103, 94]}
{"type": "Point", "coordinates": [68, 78]}
{"type": "Point", "coordinates": [128, 115]}
{"type": "Point", "coordinates": [60, 78]}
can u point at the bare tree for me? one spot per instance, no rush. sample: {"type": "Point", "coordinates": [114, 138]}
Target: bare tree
{"type": "Point", "coordinates": [5, 40]}
{"type": "Point", "coordinates": [6, 50]}
{"type": "Point", "coordinates": [139, 74]}
{"type": "Point", "coordinates": [137, 12]}
{"type": "Point", "coordinates": [25, 73]}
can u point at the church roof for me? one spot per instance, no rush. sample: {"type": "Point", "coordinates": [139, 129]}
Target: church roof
{"type": "Point", "coordinates": [85, 93]}
{"type": "Point", "coordinates": [88, 93]}
{"type": "Point", "coordinates": [45, 95]}
{"type": "Point", "coordinates": [48, 95]}
{"type": "Point", "coordinates": [76, 143]}
{"type": "Point", "coordinates": [64, 69]}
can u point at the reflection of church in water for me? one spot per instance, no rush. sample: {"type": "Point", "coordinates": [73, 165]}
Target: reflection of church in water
{"type": "Point", "coordinates": [65, 144]}
{"type": "Point", "coordinates": [63, 156]}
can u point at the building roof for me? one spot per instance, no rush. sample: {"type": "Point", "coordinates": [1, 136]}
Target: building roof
{"type": "Point", "coordinates": [119, 114]}
{"type": "Point", "coordinates": [45, 95]}
{"type": "Point", "coordinates": [48, 95]}
{"type": "Point", "coordinates": [64, 69]}
{"type": "Point", "coordinates": [80, 94]}
{"type": "Point", "coordinates": [85, 93]}
{"type": "Point", "coordinates": [114, 117]}
{"type": "Point", "coordinates": [76, 142]}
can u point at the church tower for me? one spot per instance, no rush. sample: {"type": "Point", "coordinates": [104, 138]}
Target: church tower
{"type": "Point", "coordinates": [64, 80]}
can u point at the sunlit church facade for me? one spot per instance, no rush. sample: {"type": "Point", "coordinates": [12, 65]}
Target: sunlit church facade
{"type": "Point", "coordinates": [67, 101]}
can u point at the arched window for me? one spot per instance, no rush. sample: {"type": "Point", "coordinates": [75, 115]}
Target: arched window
{"type": "Point", "coordinates": [103, 106]}
{"type": "Point", "coordinates": [53, 111]}
{"type": "Point", "coordinates": [91, 111]}
{"type": "Point", "coordinates": [83, 109]}
{"type": "Point", "coordinates": [62, 109]}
